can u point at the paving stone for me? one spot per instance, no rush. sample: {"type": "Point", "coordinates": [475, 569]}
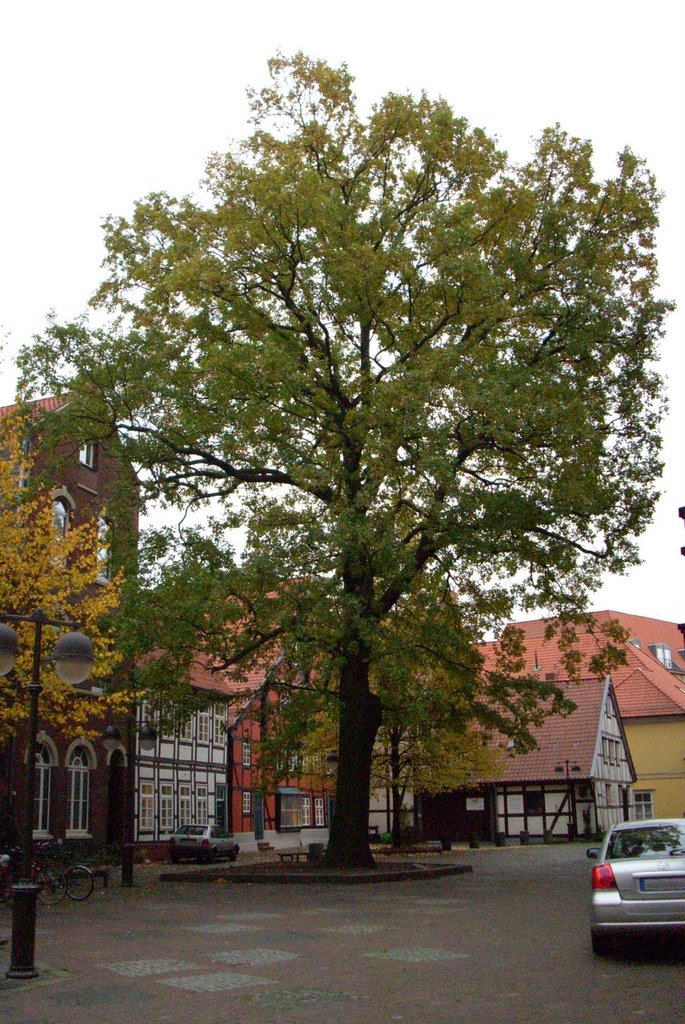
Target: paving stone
{"type": "Point", "coordinates": [292, 999]}
{"type": "Point", "coordinates": [144, 968]}
{"type": "Point", "coordinates": [253, 956]}
{"type": "Point", "coordinates": [214, 982]}
{"type": "Point", "coordinates": [227, 928]}
{"type": "Point", "coordinates": [96, 996]}
{"type": "Point", "coordinates": [438, 902]}
{"type": "Point", "coordinates": [322, 910]}
{"type": "Point", "coordinates": [356, 929]}
{"type": "Point", "coordinates": [418, 955]}
{"type": "Point", "coordinates": [250, 916]}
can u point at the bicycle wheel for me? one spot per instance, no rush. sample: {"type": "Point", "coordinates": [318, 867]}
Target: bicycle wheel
{"type": "Point", "coordinates": [53, 885]}
{"type": "Point", "coordinates": [79, 882]}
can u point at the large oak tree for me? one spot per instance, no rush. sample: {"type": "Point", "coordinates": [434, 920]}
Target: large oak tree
{"type": "Point", "coordinates": [406, 367]}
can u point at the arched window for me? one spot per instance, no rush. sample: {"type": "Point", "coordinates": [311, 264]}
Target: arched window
{"type": "Point", "coordinates": [104, 549]}
{"type": "Point", "coordinates": [79, 790]}
{"type": "Point", "coordinates": [41, 796]}
{"type": "Point", "coordinates": [60, 517]}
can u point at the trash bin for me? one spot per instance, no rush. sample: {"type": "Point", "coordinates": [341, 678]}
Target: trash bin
{"type": "Point", "coordinates": [446, 843]}
{"type": "Point", "coordinates": [524, 838]}
{"type": "Point", "coordinates": [315, 853]}
{"type": "Point", "coordinates": [501, 839]}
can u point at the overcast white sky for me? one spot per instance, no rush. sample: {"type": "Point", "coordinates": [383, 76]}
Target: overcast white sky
{"type": "Point", "coordinates": [103, 103]}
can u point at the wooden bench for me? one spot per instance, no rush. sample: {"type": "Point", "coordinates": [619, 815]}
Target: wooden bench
{"type": "Point", "coordinates": [292, 855]}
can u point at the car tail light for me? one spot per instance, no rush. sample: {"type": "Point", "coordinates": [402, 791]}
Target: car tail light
{"type": "Point", "coordinates": [205, 842]}
{"type": "Point", "coordinates": [603, 877]}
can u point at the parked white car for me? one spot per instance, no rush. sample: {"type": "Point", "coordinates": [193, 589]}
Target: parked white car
{"type": "Point", "coordinates": [203, 842]}
{"type": "Point", "coordinates": [638, 884]}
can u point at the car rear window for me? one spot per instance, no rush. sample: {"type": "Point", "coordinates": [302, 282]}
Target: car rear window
{"type": "Point", "coordinates": [648, 841]}
{"type": "Point", "coordinates": [191, 830]}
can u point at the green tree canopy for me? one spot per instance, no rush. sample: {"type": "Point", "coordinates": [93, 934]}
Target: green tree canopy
{"type": "Point", "coordinates": [404, 365]}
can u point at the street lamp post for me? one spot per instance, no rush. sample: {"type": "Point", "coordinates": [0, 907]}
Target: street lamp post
{"type": "Point", "coordinates": [569, 766]}
{"type": "Point", "coordinates": [73, 658]}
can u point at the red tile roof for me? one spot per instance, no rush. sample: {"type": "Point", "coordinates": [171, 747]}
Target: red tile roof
{"type": "Point", "coordinates": [644, 687]}
{"type": "Point", "coordinates": [236, 689]}
{"type": "Point", "coordinates": [51, 404]}
{"type": "Point", "coordinates": [647, 631]}
{"type": "Point", "coordinates": [573, 738]}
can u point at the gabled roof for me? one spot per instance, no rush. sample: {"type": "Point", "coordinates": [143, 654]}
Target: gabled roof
{"type": "Point", "coordinates": [52, 404]}
{"type": "Point", "coordinates": [237, 690]}
{"type": "Point", "coordinates": [648, 631]}
{"type": "Point", "coordinates": [573, 738]}
{"type": "Point", "coordinates": [644, 688]}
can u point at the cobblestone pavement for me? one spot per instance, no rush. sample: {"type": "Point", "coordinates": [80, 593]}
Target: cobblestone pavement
{"type": "Point", "coordinates": [506, 944]}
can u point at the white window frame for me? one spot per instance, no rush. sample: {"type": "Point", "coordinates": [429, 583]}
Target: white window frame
{"type": "Point", "coordinates": [185, 731]}
{"type": "Point", "coordinates": [104, 549]}
{"type": "Point", "coordinates": [219, 722]}
{"type": "Point", "coordinates": [146, 807]}
{"type": "Point", "coordinates": [306, 811]}
{"type": "Point", "coordinates": [319, 814]}
{"type": "Point", "coordinates": [203, 733]}
{"type": "Point", "coordinates": [290, 812]}
{"type": "Point", "coordinates": [247, 753]}
{"type": "Point", "coordinates": [247, 802]}
{"type": "Point", "coordinates": [201, 802]}
{"type": "Point", "coordinates": [644, 801]}
{"type": "Point", "coordinates": [41, 801]}
{"type": "Point", "coordinates": [60, 517]}
{"type": "Point", "coordinates": [166, 807]}
{"type": "Point", "coordinates": [79, 790]}
{"type": "Point", "coordinates": [185, 803]}
{"type": "Point", "coordinates": [664, 655]}
{"type": "Point", "coordinates": [86, 455]}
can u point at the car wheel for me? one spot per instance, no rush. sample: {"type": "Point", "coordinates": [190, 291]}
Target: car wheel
{"type": "Point", "coordinates": [213, 855]}
{"type": "Point", "coordinates": [602, 945]}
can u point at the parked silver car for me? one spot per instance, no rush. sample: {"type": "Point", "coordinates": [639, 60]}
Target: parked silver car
{"type": "Point", "coordinates": [203, 842]}
{"type": "Point", "coordinates": [638, 884]}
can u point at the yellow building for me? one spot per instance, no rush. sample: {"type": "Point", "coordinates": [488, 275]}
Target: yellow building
{"type": "Point", "coordinates": [650, 689]}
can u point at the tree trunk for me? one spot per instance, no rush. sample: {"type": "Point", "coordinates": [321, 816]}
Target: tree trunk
{"type": "Point", "coordinates": [360, 719]}
{"type": "Point", "coordinates": [395, 788]}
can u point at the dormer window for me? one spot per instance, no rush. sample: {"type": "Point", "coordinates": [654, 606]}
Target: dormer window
{"type": "Point", "coordinates": [86, 455]}
{"type": "Point", "coordinates": [662, 652]}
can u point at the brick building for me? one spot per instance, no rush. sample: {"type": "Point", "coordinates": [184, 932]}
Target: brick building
{"type": "Point", "coordinates": [205, 771]}
{"type": "Point", "coordinates": [72, 773]}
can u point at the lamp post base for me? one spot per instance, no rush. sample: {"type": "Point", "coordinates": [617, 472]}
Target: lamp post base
{"type": "Point", "coordinates": [24, 897]}
{"type": "Point", "coordinates": [127, 853]}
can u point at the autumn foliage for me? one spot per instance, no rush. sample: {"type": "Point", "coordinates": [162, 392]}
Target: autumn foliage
{"type": "Point", "coordinates": [61, 574]}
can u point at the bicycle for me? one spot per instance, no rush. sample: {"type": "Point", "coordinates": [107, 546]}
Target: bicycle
{"type": "Point", "coordinates": [50, 879]}
{"type": "Point", "coordinates": [79, 881]}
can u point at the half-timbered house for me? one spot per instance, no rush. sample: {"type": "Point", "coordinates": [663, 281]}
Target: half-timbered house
{"type": "Point", "coordinates": [577, 781]}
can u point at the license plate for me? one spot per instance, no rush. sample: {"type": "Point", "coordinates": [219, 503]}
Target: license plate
{"type": "Point", "coordinates": [672, 884]}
